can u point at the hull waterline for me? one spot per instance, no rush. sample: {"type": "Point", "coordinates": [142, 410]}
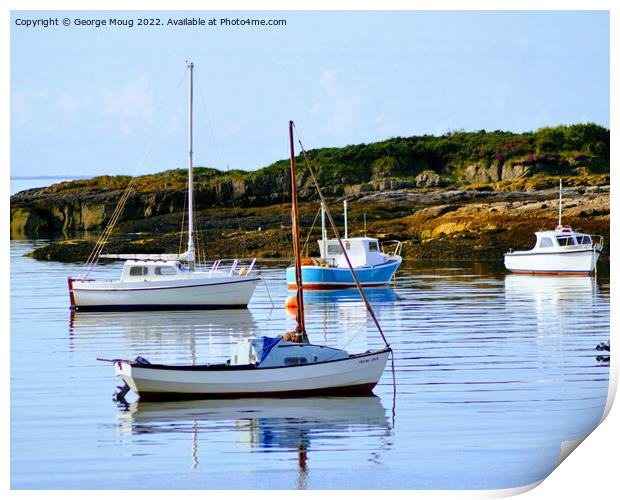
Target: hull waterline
{"type": "Point", "coordinates": [333, 278]}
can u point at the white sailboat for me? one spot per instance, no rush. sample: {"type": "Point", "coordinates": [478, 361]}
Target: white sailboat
{"type": "Point", "coordinates": [168, 281]}
{"type": "Point", "coordinates": [560, 251]}
{"type": "Point", "coordinates": [286, 366]}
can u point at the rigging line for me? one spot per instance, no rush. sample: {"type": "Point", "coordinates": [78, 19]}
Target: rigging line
{"type": "Point", "coordinates": [344, 252]}
{"type": "Point", "coordinates": [394, 391]}
{"type": "Point", "coordinates": [196, 231]}
{"type": "Point", "coordinates": [115, 214]}
{"type": "Point", "coordinates": [101, 242]}
{"type": "Point", "coordinates": [183, 218]}
{"type": "Point", "coordinates": [220, 158]}
{"type": "Point", "coordinates": [94, 257]}
{"type": "Point", "coordinates": [360, 326]}
{"type": "Point", "coordinates": [118, 210]}
{"type": "Point", "coordinates": [264, 280]}
{"type": "Point", "coordinates": [310, 232]}
{"type": "Point", "coordinates": [204, 106]}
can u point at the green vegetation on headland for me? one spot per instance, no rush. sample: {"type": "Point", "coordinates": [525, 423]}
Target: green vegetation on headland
{"type": "Point", "coordinates": [488, 192]}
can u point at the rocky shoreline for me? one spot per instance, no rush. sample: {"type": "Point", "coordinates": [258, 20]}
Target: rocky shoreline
{"type": "Point", "coordinates": [461, 195]}
{"type": "Point", "coordinates": [433, 224]}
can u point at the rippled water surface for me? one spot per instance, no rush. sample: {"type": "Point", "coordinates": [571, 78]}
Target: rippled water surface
{"type": "Point", "coordinates": [492, 373]}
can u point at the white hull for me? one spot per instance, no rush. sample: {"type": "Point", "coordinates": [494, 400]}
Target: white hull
{"type": "Point", "coordinates": [187, 293]}
{"type": "Point", "coordinates": [572, 261]}
{"type": "Point", "coordinates": [357, 374]}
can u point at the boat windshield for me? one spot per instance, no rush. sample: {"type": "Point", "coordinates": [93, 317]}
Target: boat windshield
{"type": "Point", "coordinates": [565, 241]}
{"type": "Point", "coordinates": [584, 240]}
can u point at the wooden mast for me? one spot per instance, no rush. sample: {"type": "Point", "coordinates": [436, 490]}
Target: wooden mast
{"type": "Point", "coordinates": [301, 326]}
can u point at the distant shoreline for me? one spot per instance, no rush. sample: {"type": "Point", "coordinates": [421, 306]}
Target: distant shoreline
{"type": "Point", "coordinates": [48, 177]}
{"type": "Point", "coordinates": [23, 182]}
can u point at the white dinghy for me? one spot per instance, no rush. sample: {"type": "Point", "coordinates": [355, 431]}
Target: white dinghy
{"type": "Point", "coordinates": [286, 366]}
{"type": "Point", "coordinates": [561, 251]}
{"type": "Point", "coordinates": [165, 281]}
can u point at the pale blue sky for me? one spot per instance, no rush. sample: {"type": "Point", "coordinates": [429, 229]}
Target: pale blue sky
{"type": "Point", "coordinates": [88, 101]}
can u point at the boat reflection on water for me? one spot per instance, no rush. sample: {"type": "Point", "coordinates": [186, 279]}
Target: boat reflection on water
{"type": "Point", "coordinates": [378, 294]}
{"type": "Point", "coordinates": [552, 292]}
{"type": "Point", "coordinates": [178, 330]}
{"type": "Point", "coordinates": [557, 300]}
{"type": "Point", "coordinates": [554, 288]}
{"type": "Point", "coordinates": [296, 425]}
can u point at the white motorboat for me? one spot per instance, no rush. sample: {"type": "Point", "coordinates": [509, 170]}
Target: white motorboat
{"type": "Point", "coordinates": [279, 366]}
{"type": "Point", "coordinates": [165, 281]}
{"type": "Point", "coordinates": [559, 251]}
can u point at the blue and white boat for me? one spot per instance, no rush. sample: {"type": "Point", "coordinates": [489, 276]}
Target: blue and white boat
{"type": "Point", "coordinates": [373, 266]}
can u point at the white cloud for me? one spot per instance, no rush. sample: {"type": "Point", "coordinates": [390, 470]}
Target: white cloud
{"type": "Point", "coordinates": [20, 107]}
{"type": "Point", "coordinates": [135, 100]}
{"type": "Point", "coordinates": [497, 95]}
{"type": "Point", "coordinates": [340, 112]}
{"type": "Point", "coordinates": [68, 103]}
{"type": "Point", "coordinates": [329, 83]}
{"type": "Point", "coordinates": [386, 127]}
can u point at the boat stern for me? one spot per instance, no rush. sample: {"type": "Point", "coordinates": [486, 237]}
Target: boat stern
{"type": "Point", "coordinates": [123, 370]}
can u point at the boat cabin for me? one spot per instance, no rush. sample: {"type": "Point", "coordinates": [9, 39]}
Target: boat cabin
{"type": "Point", "coordinates": [362, 252]}
{"type": "Point", "coordinates": [269, 352]}
{"type": "Point", "coordinates": [561, 237]}
{"type": "Point", "coordinates": [152, 270]}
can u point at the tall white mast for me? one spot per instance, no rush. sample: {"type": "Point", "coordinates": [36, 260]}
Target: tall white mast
{"type": "Point", "coordinates": [346, 226]}
{"type": "Point", "coordinates": [560, 206]}
{"type": "Point", "coordinates": [323, 233]}
{"type": "Point", "coordinates": [190, 175]}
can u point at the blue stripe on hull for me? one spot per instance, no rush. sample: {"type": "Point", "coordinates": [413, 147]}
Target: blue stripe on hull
{"type": "Point", "coordinates": [341, 277]}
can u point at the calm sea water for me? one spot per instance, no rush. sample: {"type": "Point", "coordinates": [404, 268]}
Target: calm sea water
{"type": "Point", "coordinates": [493, 372]}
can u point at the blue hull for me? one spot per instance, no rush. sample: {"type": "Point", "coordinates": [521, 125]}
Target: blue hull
{"type": "Point", "coordinates": [326, 278]}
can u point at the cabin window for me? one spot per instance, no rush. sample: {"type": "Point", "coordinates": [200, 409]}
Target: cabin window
{"type": "Point", "coordinates": [565, 241]}
{"type": "Point", "coordinates": [347, 245]}
{"type": "Point", "coordinates": [373, 246]}
{"type": "Point", "coordinates": [546, 243]}
{"type": "Point", "coordinates": [295, 360]}
{"type": "Point", "coordinates": [138, 271]}
{"type": "Point", "coordinates": [165, 271]}
{"type": "Point", "coordinates": [334, 249]}
{"type": "Point", "coordinates": [584, 240]}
